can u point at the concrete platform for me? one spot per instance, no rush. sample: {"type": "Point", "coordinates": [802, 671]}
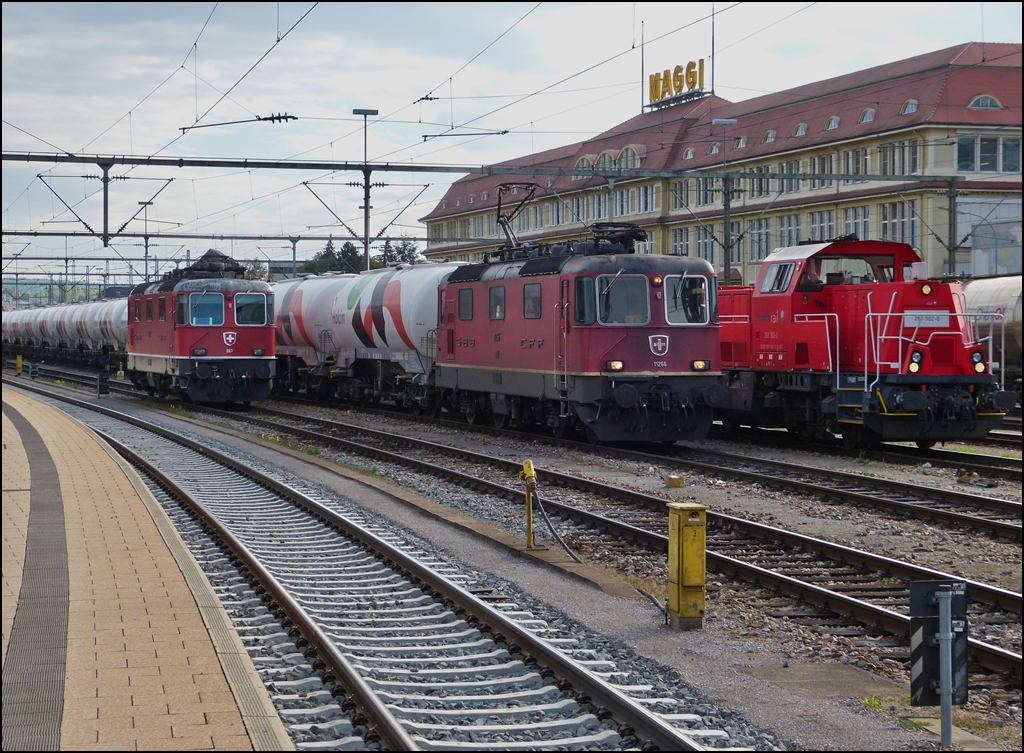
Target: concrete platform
{"type": "Point", "coordinates": [112, 637]}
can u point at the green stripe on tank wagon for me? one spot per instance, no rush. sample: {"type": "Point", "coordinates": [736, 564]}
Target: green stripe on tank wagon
{"type": "Point", "coordinates": [33, 677]}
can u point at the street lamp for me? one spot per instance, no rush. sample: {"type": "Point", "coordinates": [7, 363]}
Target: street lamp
{"type": "Point", "coordinates": [366, 187]}
{"type": "Point", "coordinates": [726, 199]}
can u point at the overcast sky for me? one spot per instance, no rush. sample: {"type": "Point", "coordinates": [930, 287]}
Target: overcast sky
{"type": "Point", "coordinates": [98, 78]}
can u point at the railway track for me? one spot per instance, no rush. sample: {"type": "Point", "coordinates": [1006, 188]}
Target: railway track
{"type": "Point", "coordinates": [403, 635]}
{"type": "Point", "coordinates": [872, 589]}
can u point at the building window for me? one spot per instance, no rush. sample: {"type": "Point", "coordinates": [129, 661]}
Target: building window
{"type": "Point", "coordinates": [583, 163]}
{"type": "Point", "coordinates": [484, 197]}
{"type": "Point", "coordinates": [909, 107]}
{"type": "Point", "coordinates": [605, 162]}
{"type": "Point", "coordinates": [705, 191]}
{"type": "Point", "coordinates": [628, 159]}
{"type": "Point", "coordinates": [856, 221]}
{"type": "Point", "coordinates": [823, 165]}
{"type": "Point", "coordinates": [823, 225]}
{"type": "Point", "coordinates": [769, 137]}
{"type": "Point", "coordinates": [706, 243]}
{"type": "Point", "coordinates": [760, 238]}
{"type": "Point", "coordinates": [987, 154]}
{"type": "Point", "coordinates": [789, 185]}
{"type": "Point", "coordinates": [867, 116]}
{"type": "Point", "coordinates": [549, 182]}
{"type": "Point", "coordinates": [984, 102]}
{"type": "Point", "coordinates": [832, 123]}
{"type": "Point", "coordinates": [789, 230]}
{"type": "Point", "coordinates": [713, 149]}
{"type": "Point", "coordinates": [759, 187]}
{"type": "Point", "coordinates": [899, 222]}
{"type": "Point", "coordinates": [471, 197]}
{"type": "Point", "coordinates": [735, 238]}
{"type": "Point", "coordinates": [800, 130]}
{"type": "Point", "coordinates": [444, 204]}
{"type": "Point", "coordinates": [645, 199]}
{"type": "Point", "coordinates": [899, 158]}
{"type": "Point", "coordinates": [578, 209]}
{"type": "Point", "coordinates": [557, 213]}
{"type": "Point", "coordinates": [538, 217]}
{"type": "Point", "coordinates": [599, 206]}
{"type": "Point", "coordinates": [688, 154]}
{"type": "Point", "coordinates": [680, 194]}
{"type": "Point", "coordinates": [680, 241]}
{"type": "Point", "coordinates": [856, 162]}
{"type": "Point", "coordinates": [740, 143]}
{"type": "Point", "coordinates": [458, 202]}
{"type": "Point", "coordinates": [523, 222]}
{"type": "Point", "coordinates": [645, 247]}
{"type": "Point", "coordinates": [622, 202]}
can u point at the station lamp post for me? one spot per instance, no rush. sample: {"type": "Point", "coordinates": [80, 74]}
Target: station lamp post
{"type": "Point", "coordinates": [366, 187]}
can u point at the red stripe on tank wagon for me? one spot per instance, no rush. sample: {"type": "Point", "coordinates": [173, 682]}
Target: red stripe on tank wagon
{"type": "Point", "coordinates": [393, 304]}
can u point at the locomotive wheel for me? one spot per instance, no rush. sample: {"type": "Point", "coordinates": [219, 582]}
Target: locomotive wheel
{"type": "Point", "coordinates": [592, 436]}
{"type": "Point", "coordinates": [925, 444]}
{"type": "Point", "coordinates": [471, 417]}
{"type": "Point", "coordinates": [500, 420]}
{"type": "Point", "coordinates": [560, 431]}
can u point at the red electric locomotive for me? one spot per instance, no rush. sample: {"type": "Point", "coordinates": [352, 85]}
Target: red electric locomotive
{"type": "Point", "coordinates": [847, 337]}
{"type": "Point", "coordinates": [591, 337]}
{"type": "Point", "coordinates": [203, 333]}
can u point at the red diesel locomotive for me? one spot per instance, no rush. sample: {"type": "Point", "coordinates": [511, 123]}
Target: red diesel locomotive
{"type": "Point", "coordinates": [848, 337]}
{"type": "Point", "coordinates": [203, 333]}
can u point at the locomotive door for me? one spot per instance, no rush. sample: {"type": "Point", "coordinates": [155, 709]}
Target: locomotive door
{"type": "Point", "coordinates": [561, 365]}
{"type": "Point", "coordinates": [447, 327]}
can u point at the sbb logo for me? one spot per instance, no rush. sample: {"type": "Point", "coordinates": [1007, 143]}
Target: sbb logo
{"type": "Point", "coordinates": [230, 338]}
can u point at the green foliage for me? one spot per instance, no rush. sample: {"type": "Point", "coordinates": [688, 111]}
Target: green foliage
{"type": "Point", "coordinates": [255, 270]}
{"type": "Point", "coordinates": [314, 451]}
{"type": "Point", "coordinates": [913, 724]}
{"type": "Point", "coordinates": [873, 702]}
{"type": "Point", "coordinates": [330, 259]}
{"type": "Point", "coordinates": [405, 251]}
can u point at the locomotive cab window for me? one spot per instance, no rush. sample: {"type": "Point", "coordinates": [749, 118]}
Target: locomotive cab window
{"type": "Point", "coordinates": [149, 309]}
{"type": "Point", "coordinates": [206, 309]}
{"type": "Point", "coordinates": [250, 309]}
{"type": "Point", "coordinates": [687, 299]}
{"type": "Point", "coordinates": [623, 299]}
{"type": "Point", "coordinates": [182, 308]}
{"type": "Point", "coordinates": [138, 310]}
{"type": "Point", "coordinates": [466, 304]}
{"type": "Point", "coordinates": [497, 302]}
{"type": "Point", "coordinates": [857, 270]}
{"type": "Point", "coordinates": [531, 301]}
{"type": "Point", "coordinates": [161, 309]}
{"type": "Point", "coordinates": [778, 278]}
{"type": "Point", "coordinates": [586, 304]}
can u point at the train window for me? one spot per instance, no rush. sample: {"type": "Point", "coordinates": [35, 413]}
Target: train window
{"type": "Point", "coordinates": [161, 309]}
{"type": "Point", "coordinates": [206, 309]}
{"type": "Point", "coordinates": [497, 302]}
{"type": "Point", "coordinates": [531, 301]}
{"type": "Point", "coordinates": [270, 308]}
{"type": "Point", "coordinates": [149, 309]}
{"type": "Point", "coordinates": [466, 304]}
{"type": "Point", "coordinates": [623, 299]}
{"type": "Point", "coordinates": [778, 278]}
{"type": "Point", "coordinates": [686, 300]}
{"type": "Point", "coordinates": [138, 310]}
{"type": "Point", "coordinates": [182, 308]}
{"type": "Point", "coordinates": [250, 309]}
{"type": "Point", "coordinates": [586, 308]}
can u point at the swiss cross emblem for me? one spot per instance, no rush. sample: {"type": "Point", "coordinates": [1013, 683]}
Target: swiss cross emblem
{"type": "Point", "coordinates": [230, 338]}
{"type": "Point", "coordinates": [659, 344]}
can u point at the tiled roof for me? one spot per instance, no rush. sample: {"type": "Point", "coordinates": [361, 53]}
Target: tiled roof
{"type": "Point", "coordinates": [943, 83]}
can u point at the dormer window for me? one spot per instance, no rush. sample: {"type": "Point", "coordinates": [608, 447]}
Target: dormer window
{"type": "Point", "coordinates": [769, 137]}
{"type": "Point", "coordinates": [867, 116]}
{"type": "Point", "coordinates": [909, 107]}
{"type": "Point", "coordinates": [984, 102]}
{"type": "Point", "coordinates": [688, 154]}
{"type": "Point", "coordinates": [484, 197]}
{"type": "Point", "coordinates": [606, 162]}
{"type": "Point", "coordinates": [444, 204]}
{"type": "Point", "coordinates": [458, 202]}
{"type": "Point", "coordinates": [800, 130]}
{"type": "Point", "coordinates": [628, 159]}
{"type": "Point", "coordinates": [713, 149]}
{"type": "Point", "coordinates": [583, 163]}
{"type": "Point", "coordinates": [741, 142]}
{"type": "Point", "coordinates": [832, 123]}
{"type": "Point", "coordinates": [471, 197]}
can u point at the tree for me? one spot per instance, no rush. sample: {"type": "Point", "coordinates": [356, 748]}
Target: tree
{"type": "Point", "coordinates": [404, 252]}
{"type": "Point", "coordinates": [330, 259]}
{"type": "Point", "coordinates": [255, 270]}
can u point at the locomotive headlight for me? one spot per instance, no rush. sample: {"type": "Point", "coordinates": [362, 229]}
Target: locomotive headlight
{"type": "Point", "coordinates": [656, 281]}
{"type": "Point", "coordinates": [976, 356]}
{"type": "Point", "coordinates": [259, 351]}
{"type": "Point", "coordinates": [199, 351]}
{"type": "Point", "coordinates": [914, 367]}
{"type": "Point", "coordinates": [979, 367]}
{"type": "Point", "coordinates": [917, 357]}
{"type": "Point", "coordinates": [701, 365]}
{"type": "Point", "coordinates": [926, 289]}
{"type": "Point", "coordinates": [614, 365]}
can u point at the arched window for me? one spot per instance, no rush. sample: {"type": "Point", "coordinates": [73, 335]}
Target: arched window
{"type": "Point", "coordinates": [800, 130]}
{"type": "Point", "coordinates": [688, 154]}
{"type": "Point", "coordinates": [741, 141]}
{"type": "Point", "coordinates": [867, 116]}
{"type": "Point", "coordinates": [484, 197]}
{"type": "Point", "coordinates": [584, 164]}
{"type": "Point", "coordinates": [548, 182]}
{"type": "Point", "coordinates": [606, 162]}
{"type": "Point", "coordinates": [832, 123]}
{"type": "Point", "coordinates": [458, 202]}
{"type": "Point", "coordinates": [769, 137]}
{"type": "Point", "coordinates": [471, 198]}
{"type": "Point", "coordinates": [713, 149]}
{"type": "Point", "coordinates": [628, 159]}
{"type": "Point", "coordinates": [985, 102]}
{"type": "Point", "coordinates": [909, 107]}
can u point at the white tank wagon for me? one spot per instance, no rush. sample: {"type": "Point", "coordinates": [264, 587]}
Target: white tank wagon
{"type": "Point", "coordinates": [94, 333]}
{"type": "Point", "coordinates": [359, 337]}
{"type": "Point", "coordinates": [997, 301]}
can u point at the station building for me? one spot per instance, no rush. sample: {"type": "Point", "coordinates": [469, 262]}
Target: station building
{"type": "Point", "coordinates": [951, 113]}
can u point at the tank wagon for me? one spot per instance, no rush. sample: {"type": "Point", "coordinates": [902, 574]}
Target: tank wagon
{"type": "Point", "coordinates": [590, 337]}
{"type": "Point", "coordinates": [848, 337]}
{"type": "Point", "coordinates": [995, 303]}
